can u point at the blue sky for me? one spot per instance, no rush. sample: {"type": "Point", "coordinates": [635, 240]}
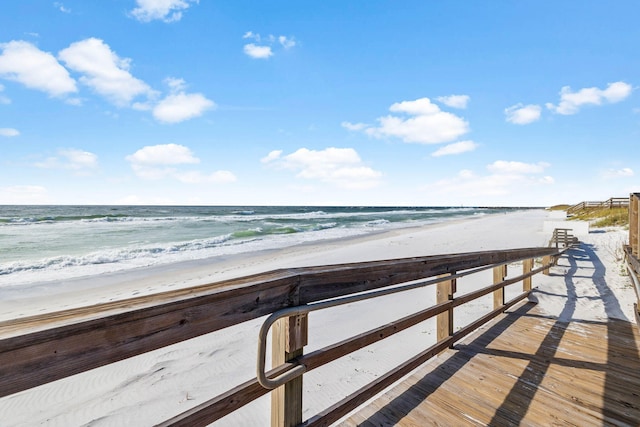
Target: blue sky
{"type": "Point", "coordinates": [451, 103]}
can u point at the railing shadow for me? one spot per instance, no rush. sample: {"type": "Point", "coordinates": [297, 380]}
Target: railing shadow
{"type": "Point", "coordinates": [532, 376]}
{"type": "Point", "coordinates": [621, 330]}
{"type": "Point", "coordinates": [615, 330]}
{"type": "Point", "coordinates": [402, 405]}
{"type": "Point", "coordinates": [514, 407]}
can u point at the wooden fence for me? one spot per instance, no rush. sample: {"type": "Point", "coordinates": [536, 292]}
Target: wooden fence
{"type": "Point", "coordinates": [40, 349]}
{"type": "Point", "coordinates": [633, 250]}
{"type": "Point", "coordinates": [562, 237]}
{"type": "Point", "coordinates": [613, 202]}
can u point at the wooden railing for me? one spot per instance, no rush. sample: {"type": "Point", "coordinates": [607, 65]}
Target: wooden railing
{"type": "Point", "coordinates": [634, 224]}
{"type": "Point", "coordinates": [562, 237]}
{"type": "Point", "coordinates": [40, 349]}
{"type": "Point", "coordinates": [633, 250]}
{"type": "Point", "coordinates": [613, 202]}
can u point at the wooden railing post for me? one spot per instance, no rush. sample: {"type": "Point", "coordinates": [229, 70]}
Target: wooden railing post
{"type": "Point", "coordinates": [527, 266]}
{"type": "Point", "coordinates": [498, 294]}
{"type": "Point", "coordinates": [289, 336]}
{"type": "Point", "coordinates": [546, 260]}
{"type": "Point", "coordinates": [634, 224]}
{"type": "Point", "coordinates": [444, 321]}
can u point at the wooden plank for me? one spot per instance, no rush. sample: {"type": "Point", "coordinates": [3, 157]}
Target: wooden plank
{"type": "Point", "coordinates": [537, 371]}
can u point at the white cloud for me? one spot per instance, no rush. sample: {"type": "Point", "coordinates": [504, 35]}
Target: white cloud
{"type": "Point", "coordinates": [165, 10]}
{"type": "Point", "coordinates": [618, 173]}
{"type": "Point", "coordinates": [466, 173]}
{"type": "Point", "coordinates": [164, 154]}
{"type": "Point", "coordinates": [455, 148]}
{"type": "Point", "coordinates": [454, 101]}
{"type": "Point", "coordinates": [467, 183]}
{"type": "Point", "coordinates": [155, 162]}
{"type": "Point", "coordinates": [181, 106]}
{"type": "Point", "coordinates": [175, 85]}
{"type": "Point", "coordinates": [520, 114]}
{"type": "Point", "coordinates": [74, 101]}
{"type": "Point", "coordinates": [26, 64]}
{"type": "Point", "coordinates": [422, 106]}
{"type": "Point", "coordinates": [506, 179]}
{"type": "Point", "coordinates": [104, 71]}
{"type": "Point", "coordinates": [9, 132]}
{"type": "Point", "coordinates": [263, 48]}
{"type": "Point", "coordinates": [80, 161]}
{"type": "Point", "coordinates": [61, 7]}
{"type": "Point", "coordinates": [570, 102]}
{"type": "Point", "coordinates": [258, 52]}
{"type": "Point", "coordinates": [427, 124]}
{"type": "Point", "coordinates": [287, 42]}
{"type": "Point", "coordinates": [505, 167]}
{"type": "Point", "coordinates": [152, 172]}
{"type": "Point", "coordinates": [3, 99]}
{"type": "Point", "coordinates": [546, 180]}
{"type": "Point", "coordinates": [353, 126]}
{"type": "Point", "coordinates": [273, 155]}
{"type": "Point", "coordinates": [341, 167]}
{"type": "Point", "coordinates": [142, 106]}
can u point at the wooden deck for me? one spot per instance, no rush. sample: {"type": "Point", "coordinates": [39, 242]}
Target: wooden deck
{"type": "Point", "coordinates": [523, 369]}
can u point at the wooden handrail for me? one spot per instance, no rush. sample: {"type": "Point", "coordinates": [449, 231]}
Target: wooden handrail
{"type": "Point", "coordinates": [562, 237]}
{"type": "Point", "coordinates": [39, 349]}
{"type": "Point", "coordinates": [632, 252]}
{"type": "Point", "coordinates": [634, 224]}
{"type": "Point", "coordinates": [612, 202]}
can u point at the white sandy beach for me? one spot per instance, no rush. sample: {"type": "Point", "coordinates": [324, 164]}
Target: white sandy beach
{"type": "Point", "coordinates": [150, 388]}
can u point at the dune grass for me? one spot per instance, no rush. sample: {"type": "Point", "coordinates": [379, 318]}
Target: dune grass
{"type": "Point", "coordinates": [604, 217]}
{"type": "Point", "coordinates": [559, 207]}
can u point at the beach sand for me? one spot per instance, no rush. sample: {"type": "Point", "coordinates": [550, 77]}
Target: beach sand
{"type": "Point", "coordinates": [150, 388]}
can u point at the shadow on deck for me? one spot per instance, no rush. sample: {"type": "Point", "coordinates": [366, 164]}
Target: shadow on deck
{"type": "Point", "coordinates": [527, 369]}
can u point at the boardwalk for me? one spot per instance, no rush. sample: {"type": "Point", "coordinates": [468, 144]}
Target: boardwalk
{"type": "Point", "coordinates": [526, 368]}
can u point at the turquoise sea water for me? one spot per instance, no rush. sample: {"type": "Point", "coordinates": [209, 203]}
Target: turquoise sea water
{"type": "Point", "coordinates": [39, 243]}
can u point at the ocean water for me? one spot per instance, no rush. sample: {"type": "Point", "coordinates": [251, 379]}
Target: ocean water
{"type": "Point", "coordinates": [43, 243]}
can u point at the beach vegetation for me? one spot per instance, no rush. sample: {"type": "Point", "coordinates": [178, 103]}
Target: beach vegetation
{"type": "Point", "coordinates": [605, 217]}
